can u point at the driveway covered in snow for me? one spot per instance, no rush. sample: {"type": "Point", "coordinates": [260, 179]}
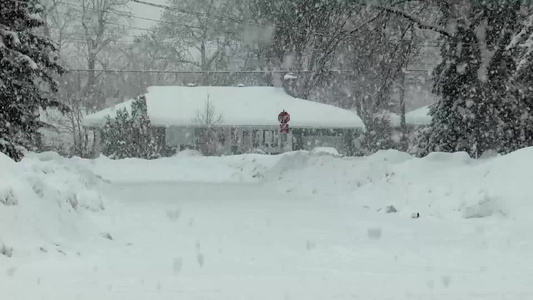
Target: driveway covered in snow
{"type": "Point", "coordinates": [265, 233]}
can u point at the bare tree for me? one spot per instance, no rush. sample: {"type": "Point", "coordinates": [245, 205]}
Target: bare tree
{"type": "Point", "coordinates": [307, 37]}
{"type": "Point", "coordinates": [208, 117]}
{"type": "Point", "coordinates": [146, 53]}
{"type": "Point", "coordinates": [208, 120]}
{"type": "Point", "coordinates": [86, 33]}
{"type": "Point", "coordinates": [200, 35]}
{"type": "Point", "coordinates": [102, 24]}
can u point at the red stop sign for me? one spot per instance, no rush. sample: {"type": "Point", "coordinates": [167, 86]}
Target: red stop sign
{"type": "Point", "coordinates": [284, 117]}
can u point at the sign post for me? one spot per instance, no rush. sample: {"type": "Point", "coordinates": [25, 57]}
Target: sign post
{"type": "Point", "coordinates": [284, 119]}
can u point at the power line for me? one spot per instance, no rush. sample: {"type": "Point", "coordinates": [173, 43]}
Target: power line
{"type": "Point", "coordinates": [210, 72]}
{"type": "Point", "coordinates": [126, 14]}
{"type": "Point", "coordinates": [110, 11]}
{"type": "Point", "coordinates": [224, 18]}
{"type": "Point", "coordinates": [185, 11]}
{"type": "Point", "coordinates": [132, 42]}
{"type": "Point", "coordinates": [236, 20]}
{"type": "Point", "coordinates": [107, 22]}
{"type": "Point", "coordinates": [116, 71]}
{"type": "Point", "coordinates": [129, 15]}
{"type": "Point", "coordinates": [171, 42]}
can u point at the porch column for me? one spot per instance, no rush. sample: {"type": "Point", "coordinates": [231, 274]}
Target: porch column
{"type": "Point", "coordinates": [97, 144]}
{"type": "Point", "coordinates": [229, 141]}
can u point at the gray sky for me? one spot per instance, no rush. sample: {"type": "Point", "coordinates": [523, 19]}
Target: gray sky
{"type": "Point", "coordinates": [145, 11]}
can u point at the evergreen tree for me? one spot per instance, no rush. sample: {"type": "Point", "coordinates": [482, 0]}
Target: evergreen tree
{"type": "Point", "coordinates": [517, 110]}
{"type": "Point", "coordinates": [143, 136]}
{"type": "Point", "coordinates": [116, 136]}
{"type": "Point", "coordinates": [109, 144]}
{"type": "Point", "coordinates": [472, 79]}
{"type": "Point", "coordinates": [27, 65]}
{"type": "Point", "coordinates": [130, 135]}
{"type": "Point", "coordinates": [378, 134]}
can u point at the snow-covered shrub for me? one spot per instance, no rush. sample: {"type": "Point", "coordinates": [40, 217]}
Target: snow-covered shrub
{"type": "Point", "coordinates": [378, 134]}
{"type": "Point", "coordinates": [418, 141]}
{"type": "Point", "coordinates": [128, 136]}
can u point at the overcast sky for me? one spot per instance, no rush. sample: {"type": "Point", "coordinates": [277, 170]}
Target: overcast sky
{"type": "Point", "coordinates": [146, 11]}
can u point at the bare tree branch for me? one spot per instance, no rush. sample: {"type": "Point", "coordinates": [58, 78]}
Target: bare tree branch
{"type": "Point", "coordinates": [208, 116]}
{"type": "Point", "coordinates": [418, 22]}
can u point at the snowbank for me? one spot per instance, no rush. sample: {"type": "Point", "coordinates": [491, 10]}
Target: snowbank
{"type": "Point", "coordinates": [439, 185]}
{"type": "Point", "coordinates": [189, 153]}
{"type": "Point", "coordinates": [326, 150]}
{"type": "Point", "coordinates": [307, 173]}
{"type": "Point", "coordinates": [42, 200]}
{"type": "Point", "coordinates": [185, 167]}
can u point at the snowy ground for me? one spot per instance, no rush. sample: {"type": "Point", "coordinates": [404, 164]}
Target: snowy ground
{"type": "Point", "coordinates": [295, 226]}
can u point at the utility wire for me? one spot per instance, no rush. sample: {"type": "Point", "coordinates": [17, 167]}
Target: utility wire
{"type": "Point", "coordinates": [208, 72]}
{"type": "Point", "coordinates": [219, 17]}
{"type": "Point", "coordinates": [129, 15]}
{"type": "Point", "coordinates": [190, 12]}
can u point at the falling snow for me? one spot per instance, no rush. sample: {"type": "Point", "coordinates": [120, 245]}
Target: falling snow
{"type": "Point", "coordinates": [265, 149]}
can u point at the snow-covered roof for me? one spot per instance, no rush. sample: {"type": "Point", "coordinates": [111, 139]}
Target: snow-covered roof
{"type": "Point", "coordinates": [289, 76]}
{"type": "Point", "coordinates": [416, 117]}
{"type": "Point", "coordinates": [239, 106]}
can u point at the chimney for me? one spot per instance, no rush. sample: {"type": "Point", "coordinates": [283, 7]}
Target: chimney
{"type": "Point", "coordinates": [290, 84]}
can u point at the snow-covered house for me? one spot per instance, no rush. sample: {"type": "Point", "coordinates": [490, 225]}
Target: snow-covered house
{"type": "Point", "coordinates": [413, 120]}
{"type": "Point", "coordinates": [246, 119]}
{"type": "Point", "coordinates": [416, 118]}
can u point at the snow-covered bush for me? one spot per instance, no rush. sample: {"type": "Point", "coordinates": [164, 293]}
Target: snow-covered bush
{"type": "Point", "coordinates": [132, 135]}
{"type": "Point", "coordinates": [378, 134]}
{"type": "Point", "coordinates": [417, 143]}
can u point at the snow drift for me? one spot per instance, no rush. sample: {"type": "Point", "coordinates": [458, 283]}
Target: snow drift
{"type": "Point", "coordinates": [188, 221]}
{"type": "Point", "coordinates": [42, 202]}
{"type": "Point", "coordinates": [439, 185]}
{"type": "Point", "coordinates": [184, 167]}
